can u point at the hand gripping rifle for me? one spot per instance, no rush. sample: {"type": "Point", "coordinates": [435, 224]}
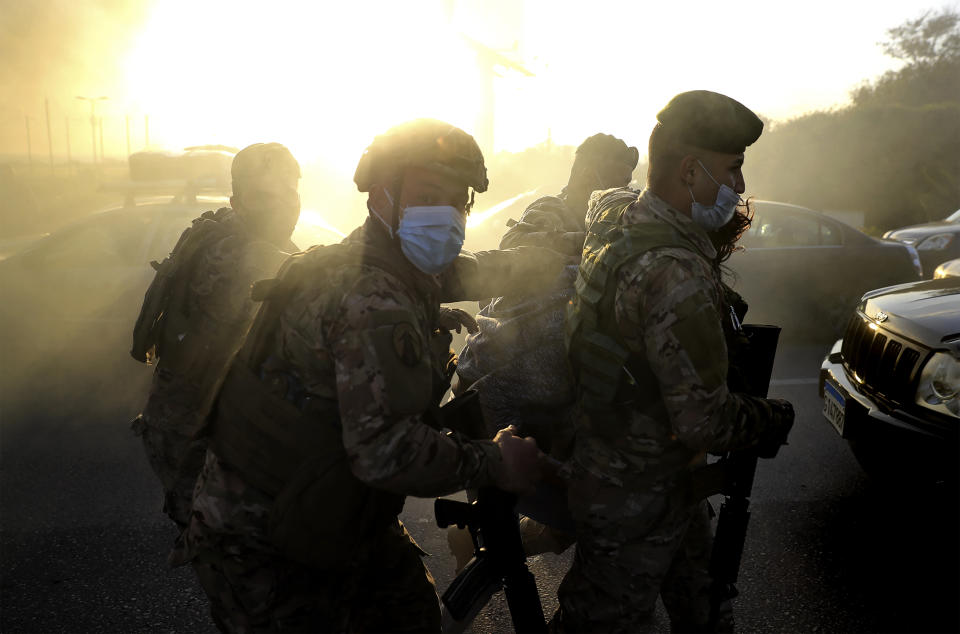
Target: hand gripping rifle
{"type": "Point", "coordinates": [750, 373]}
{"type": "Point", "coordinates": [499, 562]}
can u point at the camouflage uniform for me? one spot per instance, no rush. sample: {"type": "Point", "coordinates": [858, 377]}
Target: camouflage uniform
{"type": "Point", "coordinates": [639, 533]}
{"type": "Point", "coordinates": [220, 310]}
{"type": "Point", "coordinates": [328, 357]}
{"type": "Point", "coordinates": [548, 222]}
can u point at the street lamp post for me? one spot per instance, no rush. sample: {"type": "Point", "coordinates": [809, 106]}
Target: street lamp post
{"type": "Point", "coordinates": [93, 122]}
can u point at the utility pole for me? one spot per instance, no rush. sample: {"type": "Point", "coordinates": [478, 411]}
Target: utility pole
{"type": "Point", "coordinates": [128, 135]}
{"type": "Point", "coordinates": [46, 110]}
{"type": "Point", "coordinates": [93, 122]}
{"type": "Point", "coordinates": [100, 124]}
{"type": "Point", "coordinates": [66, 121]}
{"type": "Point", "coordinates": [26, 119]}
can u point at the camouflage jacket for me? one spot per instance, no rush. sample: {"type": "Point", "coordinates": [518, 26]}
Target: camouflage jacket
{"type": "Point", "coordinates": [360, 336]}
{"type": "Point", "coordinates": [548, 222]}
{"type": "Point", "coordinates": [217, 310]}
{"type": "Point", "coordinates": [668, 312]}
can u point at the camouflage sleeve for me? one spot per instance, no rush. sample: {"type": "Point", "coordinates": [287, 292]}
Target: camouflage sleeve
{"type": "Point", "coordinates": [667, 309]}
{"type": "Point", "coordinates": [384, 385]}
{"type": "Point", "coordinates": [543, 225]}
{"type": "Point", "coordinates": [514, 272]}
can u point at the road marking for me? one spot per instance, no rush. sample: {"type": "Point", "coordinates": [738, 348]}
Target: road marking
{"type": "Point", "coordinates": [812, 381]}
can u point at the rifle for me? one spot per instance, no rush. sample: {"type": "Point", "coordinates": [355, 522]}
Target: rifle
{"type": "Point", "coordinates": [755, 365]}
{"type": "Point", "coordinates": [498, 563]}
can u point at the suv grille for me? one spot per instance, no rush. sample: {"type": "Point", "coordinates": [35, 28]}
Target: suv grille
{"type": "Point", "coordinates": [885, 364]}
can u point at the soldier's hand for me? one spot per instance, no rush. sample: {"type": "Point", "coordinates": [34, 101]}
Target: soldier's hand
{"type": "Point", "coordinates": [454, 319]}
{"type": "Point", "coordinates": [521, 462]}
{"type": "Point", "coordinates": [777, 430]}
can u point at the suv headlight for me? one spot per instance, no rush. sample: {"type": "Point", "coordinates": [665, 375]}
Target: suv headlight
{"type": "Point", "coordinates": [936, 242]}
{"type": "Point", "coordinates": [939, 387]}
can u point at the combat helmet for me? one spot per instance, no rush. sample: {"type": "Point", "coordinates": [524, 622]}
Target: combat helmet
{"type": "Point", "coordinates": [260, 159]}
{"type": "Point", "coordinates": [428, 143]}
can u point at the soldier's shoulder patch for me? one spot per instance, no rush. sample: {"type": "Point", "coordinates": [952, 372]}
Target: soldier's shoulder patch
{"type": "Point", "coordinates": [407, 344]}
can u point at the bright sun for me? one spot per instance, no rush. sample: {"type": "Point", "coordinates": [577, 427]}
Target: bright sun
{"type": "Point", "coordinates": [323, 78]}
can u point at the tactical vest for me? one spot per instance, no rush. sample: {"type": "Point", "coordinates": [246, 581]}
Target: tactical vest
{"type": "Point", "coordinates": [164, 313]}
{"type": "Point", "coordinates": [611, 382]}
{"type": "Point", "coordinates": [322, 514]}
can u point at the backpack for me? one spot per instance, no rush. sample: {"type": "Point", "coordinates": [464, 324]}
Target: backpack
{"type": "Point", "coordinates": [517, 361]}
{"type": "Point", "coordinates": [163, 300]}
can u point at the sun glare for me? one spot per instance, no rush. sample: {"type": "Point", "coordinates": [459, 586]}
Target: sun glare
{"type": "Point", "coordinates": [322, 78]}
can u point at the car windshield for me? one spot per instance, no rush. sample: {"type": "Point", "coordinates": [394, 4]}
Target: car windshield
{"type": "Point", "coordinates": [954, 217]}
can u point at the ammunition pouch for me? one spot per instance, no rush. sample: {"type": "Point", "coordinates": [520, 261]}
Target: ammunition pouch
{"type": "Point", "coordinates": [322, 514]}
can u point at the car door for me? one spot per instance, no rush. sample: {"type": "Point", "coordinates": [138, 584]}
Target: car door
{"type": "Point", "coordinates": [793, 269]}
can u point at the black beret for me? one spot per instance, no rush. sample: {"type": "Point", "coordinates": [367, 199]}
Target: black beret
{"type": "Point", "coordinates": [600, 146]}
{"type": "Point", "coordinates": [710, 121]}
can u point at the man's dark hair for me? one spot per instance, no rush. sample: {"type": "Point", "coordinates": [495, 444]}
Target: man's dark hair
{"type": "Point", "coordinates": [725, 238]}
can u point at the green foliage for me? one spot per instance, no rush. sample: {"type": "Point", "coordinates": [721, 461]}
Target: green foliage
{"type": "Point", "coordinates": [894, 154]}
{"type": "Point", "coordinates": [931, 38]}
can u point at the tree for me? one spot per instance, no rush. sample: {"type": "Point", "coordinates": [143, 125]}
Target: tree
{"type": "Point", "coordinates": [930, 48]}
{"type": "Point", "coordinates": [930, 39]}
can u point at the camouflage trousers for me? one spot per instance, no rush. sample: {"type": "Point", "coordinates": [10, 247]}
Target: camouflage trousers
{"type": "Point", "coordinates": [174, 454]}
{"type": "Point", "coordinates": [254, 590]}
{"type": "Point", "coordinates": [633, 546]}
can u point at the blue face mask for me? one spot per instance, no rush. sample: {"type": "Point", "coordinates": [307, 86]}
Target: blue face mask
{"type": "Point", "coordinates": [431, 237]}
{"type": "Point", "coordinates": [713, 217]}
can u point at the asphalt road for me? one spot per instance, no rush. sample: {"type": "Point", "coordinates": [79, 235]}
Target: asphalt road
{"type": "Point", "coordinates": [83, 541]}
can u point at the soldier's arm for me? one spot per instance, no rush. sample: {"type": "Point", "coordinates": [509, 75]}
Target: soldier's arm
{"type": "Point", "coordinates": [383, 389]}
{"type": "Point", "coordinates": [221, 285]}
{"type": "Point", "coordinates": [542, 225]}
{"type": "Point", "coordinates": [668, 299]}
{"type": "Point", "coordinates": [220, 303]}
{"type": "Point", "coordinates": [519, 271]}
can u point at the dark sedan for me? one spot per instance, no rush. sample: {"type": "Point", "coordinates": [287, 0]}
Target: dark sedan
{"type": "Point", "coordinates": [805, 271]}
{"type": "Point", "coordinates": [936, 242]}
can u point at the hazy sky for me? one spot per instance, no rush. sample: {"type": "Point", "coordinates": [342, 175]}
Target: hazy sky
{"type": "Point", "coordinates": [324, 77]}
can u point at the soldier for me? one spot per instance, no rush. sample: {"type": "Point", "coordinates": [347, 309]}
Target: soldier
{"type": "Point", "coordinates": [647, 342]}
{"type": "Point", "coordinates": [328, 416]}
{"type": "Point", "coordinates": [198, 308]}
{"type": "Point", "coordinates": [602, 161]}
{"type": "Point", "coordinates": [517, 360]}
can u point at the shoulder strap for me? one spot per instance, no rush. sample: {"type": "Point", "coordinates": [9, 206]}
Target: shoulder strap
{"type": "Point", "coordinates": [599, 354]}
{"type": "Point", "coordinates": [166, 288]}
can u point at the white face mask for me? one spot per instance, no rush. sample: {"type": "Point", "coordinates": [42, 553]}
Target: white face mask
{"type": "Point", "coordinates": [713, 217]}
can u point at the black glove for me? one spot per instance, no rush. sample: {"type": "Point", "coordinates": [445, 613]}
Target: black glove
{"type": "Point", "coordinates": [454, 318]}
{"type": "Point", "coordinates": [777, 430]}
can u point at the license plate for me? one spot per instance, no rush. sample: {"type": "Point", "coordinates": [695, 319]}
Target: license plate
{"type": "Point", "coordinates": [834, 406]}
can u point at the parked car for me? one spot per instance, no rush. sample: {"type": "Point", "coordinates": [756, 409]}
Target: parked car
{"type": "Point", "coordinates": [936, 242]}
{"type": "Point", "coordinates": [891, 386]}
{"type": "Point", "coordinates": [950, 268]}
{"type": "Point", "coordinates": [805, 271]}
{"type": "Point", "coordinates": [70, 298]}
